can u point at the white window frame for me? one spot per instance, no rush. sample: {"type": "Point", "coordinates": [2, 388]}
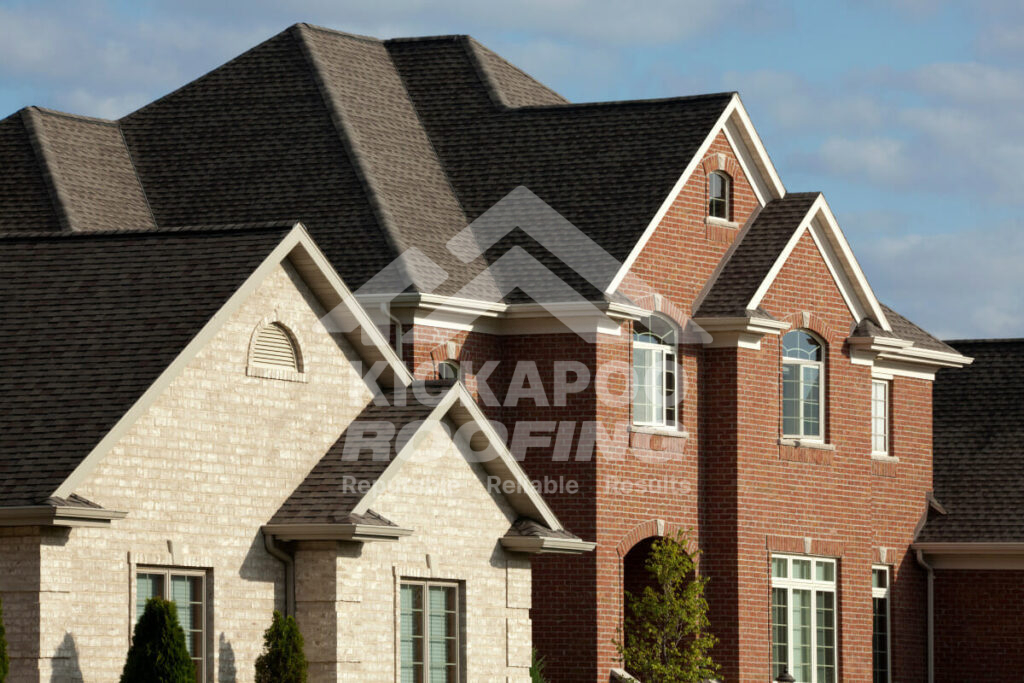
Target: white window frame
{"type": "Point", "coordinates": [167, 573]}
{"type": "Point", "coordinates": [882, 593]}
{"type": "Point", "coordinates": [814, 586]}
{"type": "Point", "coordinates": [460, 644]}
{"type": "Point", "coordinates": [802, 363]}
{"type": "Point", "coordinates": [727, 199]}
{"type": "Point", "coordinates": [452, 366]}
{"type": "Point", "coordinates": [884, 388]}
{"type": "Point", "coordinates": [668, 354]}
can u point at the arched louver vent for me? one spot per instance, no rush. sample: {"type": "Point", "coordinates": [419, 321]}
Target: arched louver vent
{"type": "Point", "coordinates": [274, 348]}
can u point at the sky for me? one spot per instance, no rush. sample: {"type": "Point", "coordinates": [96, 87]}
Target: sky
{"type": "Point", "coordinates": [908, 115]}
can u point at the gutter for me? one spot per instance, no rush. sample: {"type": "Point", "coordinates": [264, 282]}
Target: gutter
{"type": "Point", "coordinates": [64, 515]}
{"type": "Point", "coordinates": [931, 614]}
{"type": "Point", "coordinates": [546, 545]}
{"type": "Point", "coordinates": [270, 541]}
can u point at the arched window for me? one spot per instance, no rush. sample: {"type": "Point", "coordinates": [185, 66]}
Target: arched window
{"type": "Point", "coordinates": [719, 189]}
{"type": "Point", "coordinates": [448, 369]}
{"type": "Point", "coordinates": [654, 372]}
{"type": "Point", "coordinates": [803, 362]}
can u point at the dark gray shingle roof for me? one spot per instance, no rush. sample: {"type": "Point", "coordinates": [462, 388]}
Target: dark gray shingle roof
{"type": "Point", "coordinates": [90, 321]}
{"type": "Point", "coordinates": [979, 445]}
{"type": "Point", "coordinates": [752, 259]}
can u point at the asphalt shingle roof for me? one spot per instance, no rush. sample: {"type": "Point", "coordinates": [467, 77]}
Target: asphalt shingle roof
{"type": "Point", "coordinates": [338, 482]}
{"type": "Point", "coordinates": [978, 447]}
{"type": "Point", "coordinates": [90, 322]}
{"type": "Point", "coordinates": [752, 259]}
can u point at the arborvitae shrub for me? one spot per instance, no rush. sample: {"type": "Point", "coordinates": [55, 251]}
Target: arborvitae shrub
{"type": "Point", "coordinates": [158, 653]}
{"type": "Point", "coordinates": [283, 660]}
{"type": "Point", "coordinates": [5, 661]}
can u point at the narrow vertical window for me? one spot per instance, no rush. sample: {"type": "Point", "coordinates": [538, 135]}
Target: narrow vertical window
{"type": "Point", "coordinates": [802, 379]}
{"type": "Point", "coordinates": [880, 634]}
{"type": "Point", "coordinates": [718, 195]}
{"type": "Point", "coordinates": [654, 372]}
{"type": "Point", "coordinates": [187, 590]}
{"type": "Point", "coordinates": [880, 417]}
{"type": "Point", "coordinates": [429, 638]}
{"type": "Point", "coordinates": [803, 618]}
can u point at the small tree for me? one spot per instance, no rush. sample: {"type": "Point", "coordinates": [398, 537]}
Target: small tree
{"type": "Point", "coordinates": [158, 653]}
{"type": "Point", "coordinates": [666, 636]}
{"type": "Point", "coordinates": [283, 660]}
{"type": "Point", "coordinates": [5, 661]}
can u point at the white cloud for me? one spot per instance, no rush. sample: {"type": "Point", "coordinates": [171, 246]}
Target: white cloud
{"type": "Point", "coordinates": [878, 160]}
{"type": "Point", "coordinates": [959, 284]}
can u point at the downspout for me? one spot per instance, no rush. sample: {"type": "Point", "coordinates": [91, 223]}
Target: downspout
{"type": "Point", "coordinates": [931, 615]}
{"type": "Point", "coordinates": [386, 308]}
{"type": "Point", "coordinates": [289, 571]}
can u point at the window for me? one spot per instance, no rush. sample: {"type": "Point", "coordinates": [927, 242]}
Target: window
{"type": "Point", "coordinates": [430, 632]}
{"type": "Point", "coordinates": [654, 372]}
{"type": "Point", "coordinates": [187, 590]}
{"type": "Point", "coordinates": [803, 617]}
{"type": "Point", "coordinates": [880, 630]}
{"type": "Point", "coordinates": [802, 371]}
{"type": "Point", "coordinates": [718, 195]}
{"type": "Point", "coordinates": [448, 369]}
{"type": "Point", "coordinates": [880, 417]}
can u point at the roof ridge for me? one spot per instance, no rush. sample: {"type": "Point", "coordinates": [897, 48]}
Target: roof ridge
{"type": "Point", "coordinates": [48, 165]}
{"type": "Point", "coordinates": [423, 39]}
{"type": "Point", "coordinates": [148, 232]}
{"type": "Point", "coordinates": [73, 116]}
{"type": "Point", "coordinates": [345, 132]}
{"type": "Point", "coordinates": [640, 102]}
{"type": "Point", "coordinates": [336, 32]}
{"type": "Point", "coordinates": [986, 340]}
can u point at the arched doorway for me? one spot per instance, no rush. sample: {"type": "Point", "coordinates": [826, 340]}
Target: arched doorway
{"type": "Point", "coordinates": [635, 576]}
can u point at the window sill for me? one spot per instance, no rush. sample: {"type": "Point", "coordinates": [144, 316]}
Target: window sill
{"type": "Point", "coordinates": [884, 457]}
{"type": "Point", "coordinates": [804, 443]}
{"type": "Point", "coordinates": [720, 222]}
{"type": "Point", "coordinates": [660, 431]}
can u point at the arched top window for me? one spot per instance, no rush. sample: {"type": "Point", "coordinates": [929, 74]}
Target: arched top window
{"type": "Point", "coordinates": [274, 353]}
{"type": "Point", "coordinates": [448, 369]}
{"type": "Point", "coordinates": [719, 191]}
{"type": "Point", "coordinates": [654, 372]}
{"type": "Point", "coordinates": [803, 371]}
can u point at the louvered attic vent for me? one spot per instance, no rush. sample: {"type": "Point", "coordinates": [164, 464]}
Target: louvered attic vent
{"type": "Point", "coordinates": [274, 348]}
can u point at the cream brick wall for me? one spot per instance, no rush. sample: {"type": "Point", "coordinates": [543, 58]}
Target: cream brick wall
{"type": "Point", "coordinates": [210, 462]}
{"type": "Point", "coordinates": [202, 469]}
{"type": "Point", "coordinates": [351, 628]}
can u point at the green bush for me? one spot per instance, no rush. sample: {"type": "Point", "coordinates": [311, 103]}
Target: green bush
{"type": "Point", "coordinates": [158, 653]}
{"type": "Point", "coordinates": [5, 661]}
{"type": "Point", "coordinates": [283, 660]}
{"type": "Point", "coordinates": [537, 668]}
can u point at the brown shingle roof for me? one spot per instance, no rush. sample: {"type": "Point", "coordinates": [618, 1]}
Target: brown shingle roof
{"type": "Point", "coordinates": [979, 445]}
{"type": "Point", "coordinates": [90, 321]}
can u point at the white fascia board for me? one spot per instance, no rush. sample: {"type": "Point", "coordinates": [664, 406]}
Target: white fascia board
{"type": "Point", "coordinates": [973, 556]}
{"type": "Point", "coordinates": [536, 545]}
{"type": "Point", "coordinates": [296, 239]}
{"type": "Point", "coordinates": [335, 532]}
{"type": "Point", "coordinates": [968, 548]}
{"type": "Point", "coordinates": [739, 332]}
{"type": "Point", "coordinates": [839, 259]}
{"type": "Point", "coordinates": [63, 515]}
{"type": "Point", "coordinates": [519, 319]}
{"type": "Point", "coordinates": [735, 123]}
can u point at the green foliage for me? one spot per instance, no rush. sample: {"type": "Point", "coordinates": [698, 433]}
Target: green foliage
{"type": "Point", "coordinates": [536, 668]}
{"type": "Point", "coordinates": [283, 660]}
{"type": "Point", "coordinates": [5, 661]}
{"type": "Point", "coordinates": [666, 635]}
{"type": "Point", "coordinates": [158, 653]}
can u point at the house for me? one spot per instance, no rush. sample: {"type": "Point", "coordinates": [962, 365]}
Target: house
{"type": "Point", "coordinates": [179, 420]}
{"type": "Point", "coordinates": [972, 539]}
{"type": "Point", "coordinates": [669, 339]}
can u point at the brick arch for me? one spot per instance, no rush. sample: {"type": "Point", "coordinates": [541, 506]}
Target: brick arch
{"type": "Point", "coordinates": [447, 350]}
{"type": "Point", "coordinates": [657, 303]}
{"type": "Point", "coordinates": [815, 323]}
{"type": "Point", "coordinates": [719, 161]}
{"type": "Point", "coordinates": [648, 529]}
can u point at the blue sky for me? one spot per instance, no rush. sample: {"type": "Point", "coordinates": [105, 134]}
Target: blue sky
{"type": "Point", "coordinates": [907, 114]}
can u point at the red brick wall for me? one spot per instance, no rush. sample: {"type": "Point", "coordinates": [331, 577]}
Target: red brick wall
{"type": "Point", "coordinates": [978, 635]}
{"type": "Point", "coordinates": [745, 494]}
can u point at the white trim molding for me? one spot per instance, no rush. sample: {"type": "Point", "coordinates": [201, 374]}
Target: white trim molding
{"type": "Point", "coordinates": [735, 123]}
{"type": "Point", "coordinates": [994, 556]}
{"type": "Point", "coordinates": [741, 332]}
